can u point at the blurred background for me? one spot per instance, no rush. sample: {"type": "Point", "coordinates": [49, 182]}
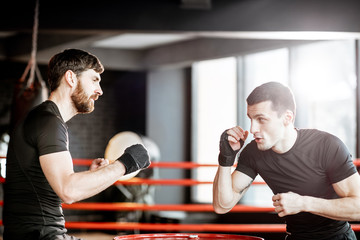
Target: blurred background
{"type": "Point", "coordinates": [179, 71]}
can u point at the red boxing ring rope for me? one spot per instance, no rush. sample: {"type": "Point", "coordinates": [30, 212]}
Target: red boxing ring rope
{"type": "Point", "coordinates": [129, 206]}
{"type": "Point", "coordinates": [205, 227]}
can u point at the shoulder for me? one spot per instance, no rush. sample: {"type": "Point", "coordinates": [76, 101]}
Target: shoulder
{"type": "Point", "coordinates": [325, 145]}
{"type": "Point", "coordinates": [315, 137]}
{"type": "Point", "coordinates": [44, 112]}
{"type": "Point", "coordinates": [250, 148]}
{"type": "Point", "coordinates": [42, 118]}
{"type": "Point", "coordinates": [308, 132]}
{"type": "Point", "coordinates": [249, 157]}
{"type": "Point", "coordinates": [251, 152]}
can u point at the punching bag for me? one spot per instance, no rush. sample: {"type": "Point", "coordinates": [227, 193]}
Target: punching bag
{"type": "Point", "coordinates": [27, 94]}
{"type": "Point", "coordinates": [32, 91]}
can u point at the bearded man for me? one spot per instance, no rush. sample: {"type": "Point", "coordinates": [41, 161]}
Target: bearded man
{"type": "Point", "coordinates": [39, 171]}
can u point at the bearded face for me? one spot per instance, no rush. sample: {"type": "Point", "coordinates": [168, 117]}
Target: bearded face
{"type": "Point", "coordinates": [83, 102]}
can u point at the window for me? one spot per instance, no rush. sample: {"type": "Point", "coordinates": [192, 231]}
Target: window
{"type": "Point", "coordinates": [214, 110]}
{"type": "Point", "coordinates": [324, 82]}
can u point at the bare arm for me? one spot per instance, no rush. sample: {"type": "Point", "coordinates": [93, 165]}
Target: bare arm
{"type": "Point", "coordinates": [229, 188]}
{"type": "Point", "coordinates": [346, 208]}
{"type": "Point", "coordinates": [71, 186]}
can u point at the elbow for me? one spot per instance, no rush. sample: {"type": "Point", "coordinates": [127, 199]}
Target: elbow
{"type": "Point", "coordinates": [68, 196]}
{"type": "Point", "coordinates": [67, 199]}
{"type": "Point", "coordinates": [220, 210]}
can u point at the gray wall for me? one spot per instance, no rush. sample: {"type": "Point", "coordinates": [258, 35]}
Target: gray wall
{"type": "Point", "coordinates": [166, 125]}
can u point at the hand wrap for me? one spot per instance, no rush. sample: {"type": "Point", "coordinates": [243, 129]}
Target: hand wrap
{"type": "Point", "coordinates": [227, 154]}
{"type": "Point", "coordinates": [134, 158]}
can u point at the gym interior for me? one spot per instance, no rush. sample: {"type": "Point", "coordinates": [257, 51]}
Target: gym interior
{"type": "Point", "coordinates": [177, 73]}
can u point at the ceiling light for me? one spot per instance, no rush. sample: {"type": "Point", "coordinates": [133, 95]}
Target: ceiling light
{"type": "Point", "coordinates": [140, 40]}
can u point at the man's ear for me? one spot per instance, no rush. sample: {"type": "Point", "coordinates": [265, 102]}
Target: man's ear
{"type": "Point", "coordinates": [70, 78]}
{"type": "Point", "coordinates": [289, 117]}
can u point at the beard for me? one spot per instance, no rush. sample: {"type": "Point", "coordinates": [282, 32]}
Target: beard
{"type": "Point", "coordinates": [81, 101]}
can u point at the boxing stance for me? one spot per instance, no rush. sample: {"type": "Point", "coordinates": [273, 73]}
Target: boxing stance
{"type": "Point", "coordinates": [39, 172]}
{"type": "Point", "coordinates": [315, 183]}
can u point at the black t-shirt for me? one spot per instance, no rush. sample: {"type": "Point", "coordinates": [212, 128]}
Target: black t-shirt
{"type": "Point", "coordinates": [316, 161]}
{"type": "Point", "coordinates": [32, 210]}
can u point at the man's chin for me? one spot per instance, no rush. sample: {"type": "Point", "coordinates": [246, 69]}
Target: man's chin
{"type": "Point", "coordinates": [262, 147]}
{"type": "Point", "coordinates": [85, 110]}
{"type": "Point", "coordinates": [88, 111]}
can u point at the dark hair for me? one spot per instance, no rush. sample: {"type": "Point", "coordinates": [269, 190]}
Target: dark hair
{"type": "Point", "coordinates": [281, 97]}
{"type": "Point", "coordinates": [75, 60]}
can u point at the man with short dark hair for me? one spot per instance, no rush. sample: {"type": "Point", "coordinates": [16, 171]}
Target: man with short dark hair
{"type": "Point", "coordinates": [315, 183]}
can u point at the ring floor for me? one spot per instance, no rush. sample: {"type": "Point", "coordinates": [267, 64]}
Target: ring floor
{"type": "Point", "coordinates": [94, 236]}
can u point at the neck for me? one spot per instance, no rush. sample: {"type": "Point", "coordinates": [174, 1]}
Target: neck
{"type": "Point", "coordinates": [65, 105]}
{"type": "Point", "coordinates": [288, 141]}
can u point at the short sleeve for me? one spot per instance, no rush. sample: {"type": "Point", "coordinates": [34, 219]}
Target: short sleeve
{"type": "Point", "coordinates": [49, 134]}
{"type": "Point", "coordinates": [245, 163]}
{"type": "Point", "coordinates": [338, 160]}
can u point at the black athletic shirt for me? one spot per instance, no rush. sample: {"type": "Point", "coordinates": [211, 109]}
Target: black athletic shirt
{"type": "Point", "coordinates": [32, 210]}
{"type": "Point", "coordinates": [316, 161]}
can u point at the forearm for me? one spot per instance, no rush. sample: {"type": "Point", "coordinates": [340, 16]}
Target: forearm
{"type": "Point", "coordinates": [345, 209]}
{"type": "Point", "coordinates": [229, 188]}
{"type": "Point", "coordinates": [82, 185]}
{"type": "Point", "coordinates": [222, 190]}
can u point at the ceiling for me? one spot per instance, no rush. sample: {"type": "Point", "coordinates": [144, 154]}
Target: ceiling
{"type": "Point", "coordinates": [144, 34]}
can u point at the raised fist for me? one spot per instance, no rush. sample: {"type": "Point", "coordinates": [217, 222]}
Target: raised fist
{"type": "Point", "coordinates": [134, 158]}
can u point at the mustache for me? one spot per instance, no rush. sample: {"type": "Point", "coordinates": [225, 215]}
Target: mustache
{"type": "Point", "coordinates": [94, 96]}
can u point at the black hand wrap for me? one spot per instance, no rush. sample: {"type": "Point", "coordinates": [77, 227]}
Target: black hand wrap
{"type": "Point", "coordinates": [134, 158]}
{"type": "Point", "coordinates": [227, 154]}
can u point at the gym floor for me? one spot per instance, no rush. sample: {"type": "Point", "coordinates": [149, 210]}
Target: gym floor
{"type": "Point", "coordinates": [93, 236]}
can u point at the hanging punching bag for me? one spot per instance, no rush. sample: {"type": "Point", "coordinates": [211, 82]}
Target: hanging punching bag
{"type": "Point", "coordinates": [32, 91]}
{"type": "Point", "coordinates": [27, 94]}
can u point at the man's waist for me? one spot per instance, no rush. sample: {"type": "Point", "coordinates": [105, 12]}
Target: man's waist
{"type": "Point", "coordinates": [316, 231]}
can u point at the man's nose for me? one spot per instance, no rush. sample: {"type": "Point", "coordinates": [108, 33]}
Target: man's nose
{"type": "Point", "coordinates": [99, 91]}
{"type": "Point", "coordinates": [253, 128]}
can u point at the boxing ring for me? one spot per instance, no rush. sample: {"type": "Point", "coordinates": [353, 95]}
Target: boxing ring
{"type": "Point", "coordinates": [171, 227]}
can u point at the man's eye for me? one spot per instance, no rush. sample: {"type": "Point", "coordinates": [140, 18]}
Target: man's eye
{"type": "Point", "coordinates": [261, 119]}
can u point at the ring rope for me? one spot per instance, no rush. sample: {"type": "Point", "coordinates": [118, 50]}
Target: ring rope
{"type": "Point", "coordinates": [181, 227]}
{"type": "Point", "coordinates": [130, 206]}
{"type": "Point", "coordinates": [177, 227]}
